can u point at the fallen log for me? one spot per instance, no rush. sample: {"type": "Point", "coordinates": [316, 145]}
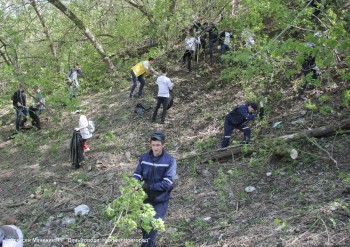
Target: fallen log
{"type": "Point", "coordinates": [319, 132]}
{"type": "Point", "coordinates": [220, 154]}
{"type": "Point", "coordinates": [243, 149]}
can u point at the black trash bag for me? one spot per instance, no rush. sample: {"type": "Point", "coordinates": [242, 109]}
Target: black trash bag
{"type": "Point", "coordinates": [171, 100]}
{"type": "Point", "coordinates": [140, 109]}
{"type": "Point", "coordinates": [76, 149]}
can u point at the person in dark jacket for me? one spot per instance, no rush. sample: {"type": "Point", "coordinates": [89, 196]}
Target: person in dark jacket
{"type": "Point", "coordinates": [236, 119]}
{"type": "Point", "coordinates": [38, 104]}
{"type": "Point", "coordinates": [20, 104]}
{"type": "Point", "coordinates": [213, 37]}
{"type": "Point", "coordinates": [157, 169]}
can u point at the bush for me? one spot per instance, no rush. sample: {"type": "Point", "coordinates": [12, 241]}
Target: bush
{"type": "Point", "coordinates": [325, 110]}
{"type": "Point", "coordinates": [346, 99]}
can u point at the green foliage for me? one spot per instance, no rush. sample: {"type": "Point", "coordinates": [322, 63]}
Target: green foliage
{"type": "Point", "coordinates": [310, 106]}
{"type": "Point", "coordinates": [129, 211]}
{"type": "Point", "coordinates": [124, 33]}
{"type": "Point", "coordinates": [325, 110]}
{"type": "Point", "coordinates": [345, 177]}
{"type": "Point", "coordinates": [281, 223]}
{"type": "Point", "coordinates": [220, 182]}
{"type": "Point", "coordinates": [205, 145]}
{"type": "Point", "coordinates": [81, 177]}
{"type": "Point", "coordinates": [190, 244]}
{"type": "Point", "coordinates": [29, 141]}
{"type": "Point", "coordinates": [234, 172]}
{"type": "Point", "coordinates": [176, 236]}
{"type": "Point", "coordinates": [324, 98]}
{"type": "Point", "coordinates": [346, 99]}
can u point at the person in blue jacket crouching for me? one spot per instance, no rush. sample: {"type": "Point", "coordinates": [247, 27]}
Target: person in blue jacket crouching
{"type": "Point", "coordinates": [236, 119]}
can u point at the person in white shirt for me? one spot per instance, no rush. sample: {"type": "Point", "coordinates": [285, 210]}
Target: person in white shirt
{"type": "Point", "coordinates": [72, 77]}
{"type": "Point", "coordinates": [224, 41]}
{"type": "Point", "coordinates": [164, 87]}
{"type": "Point", "coordinates": [190, 45]}
{"type": "Point", "coordinates": [84, 131]}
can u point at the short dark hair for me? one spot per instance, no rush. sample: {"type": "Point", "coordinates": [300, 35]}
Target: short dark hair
{"type": "Point", "coordinates": [157, 136]}
{"type": "Point", "coordinates": [163, 69]}
{"type": "Point", "coordinates": [151, 59]}
{"type": "Point", "coordinates": [254, 105]}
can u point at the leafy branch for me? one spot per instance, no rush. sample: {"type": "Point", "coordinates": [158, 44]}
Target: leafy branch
{"type": "Point", "coordinates": [129, 211]}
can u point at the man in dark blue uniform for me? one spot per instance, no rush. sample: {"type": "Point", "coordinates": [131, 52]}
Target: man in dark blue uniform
{"type": "Point", "coordinates": [157, 169]}
{"type": "Point", "coordinates": [236, 119]}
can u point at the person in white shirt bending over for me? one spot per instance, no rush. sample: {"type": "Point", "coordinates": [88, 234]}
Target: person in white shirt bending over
{"type": "Point", "coordinates": [164, 87]}
{"type": "Point", "coordinates": [190, 44]}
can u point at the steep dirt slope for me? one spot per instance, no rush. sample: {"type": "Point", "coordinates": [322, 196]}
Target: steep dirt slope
{"type": "Point", "coordinates": [302, 203]}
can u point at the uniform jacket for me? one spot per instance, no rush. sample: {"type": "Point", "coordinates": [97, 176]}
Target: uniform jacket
{"type": "Point", "coordinates": [240, 114]}
{"type": "Point", "coordinates": [159, 173]}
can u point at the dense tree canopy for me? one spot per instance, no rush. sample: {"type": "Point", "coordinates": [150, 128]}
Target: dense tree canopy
{"type": "Point", "coordinates": [41, 40]}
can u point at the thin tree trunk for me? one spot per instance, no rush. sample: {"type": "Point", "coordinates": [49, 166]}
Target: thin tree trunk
{"type": "Point", "coordinates": [143, 10]}
{"type": "Point", "coordinates": [235, 7]}
{"type": "Point", "coordinates": [5, 55]}
{"type": "Point", "coordinates": [46, 31]}
{"type": "Point", "coordinates": [58, 4]}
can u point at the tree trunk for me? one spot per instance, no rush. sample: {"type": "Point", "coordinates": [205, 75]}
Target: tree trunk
{"type": "Point", "coordinates": [5, 55]}
{"type": "Point", "coordinates": [58, 4]}
{"type": "Point", "coordinates": [46, 31]}
{"type": "Point", "coordinates": [319, 132]}
{"type": "Point", "coordinates": [248, 149]}
{"type": "Point", "coordinates": [143, 10]}
{"type": "Point", "coordinates": [235, 7]}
